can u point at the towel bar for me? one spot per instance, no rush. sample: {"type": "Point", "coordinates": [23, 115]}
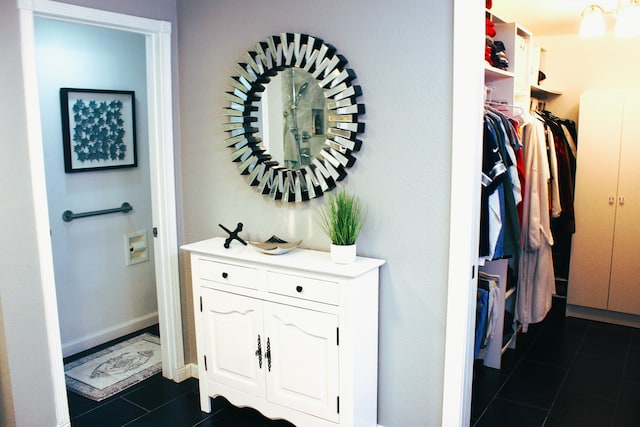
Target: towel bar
{"type": "Point", "coordinates": [70, 216]}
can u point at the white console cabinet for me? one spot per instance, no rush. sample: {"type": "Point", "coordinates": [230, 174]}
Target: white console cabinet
{"type": "Point", "coordinates": [294, 336]}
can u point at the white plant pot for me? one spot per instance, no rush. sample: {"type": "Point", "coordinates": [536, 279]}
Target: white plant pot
{"type": "Point", "coordinates": [341, 254]}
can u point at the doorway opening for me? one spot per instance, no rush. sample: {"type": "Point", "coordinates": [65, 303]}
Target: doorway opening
{"type": "Point", "coordinates": [161, 156]}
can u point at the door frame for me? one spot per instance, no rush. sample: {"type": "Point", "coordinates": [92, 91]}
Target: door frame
{"type": "Point", "coordinates": [163, 200]}
{"type": "Point", "coordinates": [466, 159]}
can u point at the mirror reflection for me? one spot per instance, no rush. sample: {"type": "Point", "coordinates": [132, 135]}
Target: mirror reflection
{"type": "Point", "coordinates": [292, 118]}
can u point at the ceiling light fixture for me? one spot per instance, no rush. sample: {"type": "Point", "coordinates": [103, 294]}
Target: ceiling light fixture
{"type": "Point", "coordinates": [627, 15]}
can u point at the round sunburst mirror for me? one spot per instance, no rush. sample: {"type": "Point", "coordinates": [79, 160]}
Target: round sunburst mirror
{"type": "Point", "coordinates": [292, 117]}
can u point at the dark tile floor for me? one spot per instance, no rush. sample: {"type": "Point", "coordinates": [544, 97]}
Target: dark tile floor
{"type": "Point", "coordinates": [158, 402]}
{"type": "Point", "coordinates": [564, 372]}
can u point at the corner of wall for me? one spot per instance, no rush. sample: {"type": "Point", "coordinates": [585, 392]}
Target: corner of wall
{"type": "Point", "coordinates": [7, 417]}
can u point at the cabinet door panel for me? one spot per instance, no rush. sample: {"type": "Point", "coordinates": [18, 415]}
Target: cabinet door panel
{"type": "Point", "coordinates": [304, 365]}
{"type": "Point", "coordinates": [232, 324]}
{"type": "Point", "coordinates": [596, 183]}
{"type": "Point", "coordinates": [624, 292]}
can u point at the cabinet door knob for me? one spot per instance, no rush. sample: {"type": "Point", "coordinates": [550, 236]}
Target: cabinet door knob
{"type": "Point", "coordinates": [621, 200]}
{"type": "Point", "coordinates": [225, 275]}
{"type": "Point", "coordinates": [612, 200]}
{"type": "Point", "coordinates": [299, 288]}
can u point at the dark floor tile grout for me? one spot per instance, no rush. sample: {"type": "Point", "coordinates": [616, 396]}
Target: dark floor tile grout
{"type": "Point", "coordinates": [139, 406]}
{"type": "Point", "coordinates": [522, 403]}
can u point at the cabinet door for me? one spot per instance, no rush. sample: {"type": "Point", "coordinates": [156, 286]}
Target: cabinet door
{"type": "Point", "coordinates": [304, 359]}
{"type": "Point", "coordinates": [624, 291]}
{"type": "Point", "coordinates": [232, 327]}
{"type": "Point", "coordinates": [595, 198]}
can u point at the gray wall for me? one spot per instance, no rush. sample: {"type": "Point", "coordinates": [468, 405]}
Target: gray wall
{"type": "Point", "coordinates": [401, 55]}
{"type": "Point", "coordinates": [29, 382]}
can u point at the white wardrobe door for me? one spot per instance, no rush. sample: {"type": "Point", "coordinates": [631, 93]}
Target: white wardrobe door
{"type": "Point", "coordinates": [595, 198]}
{"type": "Point", "coordinates": [624, 291]}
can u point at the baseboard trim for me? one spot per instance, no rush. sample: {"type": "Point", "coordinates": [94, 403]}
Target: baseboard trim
{"type": "Point", "coordinates": [193, 367]}
{"type": "Point", "coordinates": [184, 373]}
{"type": "Point", "coordinates": [603, 315]}
{"type": "Point", "coordinates": [108, 334]}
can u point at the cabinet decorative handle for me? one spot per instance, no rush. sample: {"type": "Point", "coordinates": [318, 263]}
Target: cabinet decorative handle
{"type": "Point", "coordinates": [612, 200]}
{"type": "Point", "coordinates": [225, 275]}
{"type": "Point", "coordinates": [621, 200]}
{"type": "Point", "coordinates": [267, 354]}
{"type": "Point", "coordinates": [299, 288]}
{"type": "Point", "coordinates": [259, 352]}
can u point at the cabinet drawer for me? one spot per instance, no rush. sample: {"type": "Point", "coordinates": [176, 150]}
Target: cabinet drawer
{"type": "Point", "coordinates": [303, 287]}
{"type": "Point", "coordinates": [229, 274]}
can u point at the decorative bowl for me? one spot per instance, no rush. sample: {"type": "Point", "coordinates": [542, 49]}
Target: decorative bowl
{"type": "Point", "coordinates": [275, 246]}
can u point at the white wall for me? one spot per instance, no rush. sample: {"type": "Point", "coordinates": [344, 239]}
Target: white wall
{"type": "Point", "coordinates": [30, 383]}
{"type": "Point", "coordinates": [402, 56]}
{"type": "Point", "coordinates": [99, 296]}
{"type": "Point", "coordinates": [574, 65]}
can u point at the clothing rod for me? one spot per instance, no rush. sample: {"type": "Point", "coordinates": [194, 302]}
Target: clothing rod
{"type": "Point", "coordinates": [70, 216]}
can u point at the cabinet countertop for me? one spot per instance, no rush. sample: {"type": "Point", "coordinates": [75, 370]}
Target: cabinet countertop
{"type": "Point", "coordinates": [298, 259]}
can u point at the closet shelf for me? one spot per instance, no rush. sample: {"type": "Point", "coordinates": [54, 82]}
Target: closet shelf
{"type": "Point", "coordinates": [540, 92]}
{"type": "Point", "coordinates": [489, 14]}
{"type": "Point", "coordinates": [493, 73]}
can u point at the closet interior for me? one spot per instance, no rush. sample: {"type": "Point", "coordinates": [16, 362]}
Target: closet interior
{"type": "Point", "coordinates": [528, 169]}
{"type": "Point", "coordinates": [558, 212]}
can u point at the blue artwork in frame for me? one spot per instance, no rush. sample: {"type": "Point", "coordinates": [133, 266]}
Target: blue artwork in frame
{"type": "Point", "coordinates": [98, 129]}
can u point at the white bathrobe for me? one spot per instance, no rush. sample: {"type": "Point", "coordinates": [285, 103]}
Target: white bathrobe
{"type": "Point", "coordinates": [536, 280]}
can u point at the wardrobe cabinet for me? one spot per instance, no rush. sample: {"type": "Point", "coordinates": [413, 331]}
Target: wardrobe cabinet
{"type": "Point", "coordinates": [604, 267]}
{"type": "Point", "coordinates": [293, 336]}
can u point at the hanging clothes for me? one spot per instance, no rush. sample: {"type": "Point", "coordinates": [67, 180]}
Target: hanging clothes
{"type": "Point", "coordinates": [487, 315]}
{"type": "Point", "coordinates": [564, 143]}
{"type": "Point", "coordinates": [536, 279]}
{"type": "Point", "coordinates": [501, 189]}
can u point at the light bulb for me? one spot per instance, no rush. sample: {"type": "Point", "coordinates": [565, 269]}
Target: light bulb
{"type": "Point", "coordinates": [628, 23]}
{"type": "Point", "coordinates": [592, 24]}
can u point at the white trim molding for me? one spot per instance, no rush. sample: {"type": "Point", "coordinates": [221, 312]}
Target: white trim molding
{"type": "Point", "coordinates": [161, 148]}
{"type": "Point", "coordinates": [39, 190]}
{"type": "Point", "coordinates": [466, 156]}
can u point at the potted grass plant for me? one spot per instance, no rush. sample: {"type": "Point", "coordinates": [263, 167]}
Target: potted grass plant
{"type": "Point", "coordinates": [342, 218]}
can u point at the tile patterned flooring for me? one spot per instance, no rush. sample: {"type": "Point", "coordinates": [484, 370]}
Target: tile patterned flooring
{"type": "Point", "coordinates": [565, 372]}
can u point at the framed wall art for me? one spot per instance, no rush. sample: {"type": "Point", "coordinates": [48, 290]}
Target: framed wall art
{"type": "Point", "coordinates": [98, 129]}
